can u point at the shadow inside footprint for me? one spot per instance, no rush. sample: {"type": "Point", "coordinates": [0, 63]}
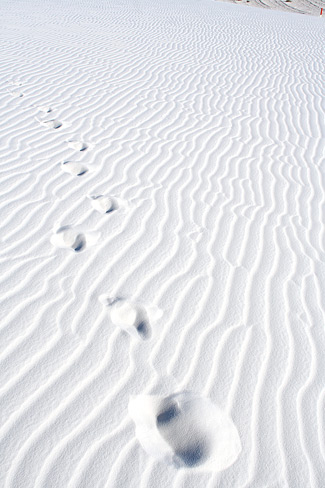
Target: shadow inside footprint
{"type": "Point", "coordinates": [80, 243]}
{"type": "Point", "coordinates": [143, 330]}
{"type": "Point", "coordinates": [167, 415]}
{"type": "Point", "coordinates": [191, 456]}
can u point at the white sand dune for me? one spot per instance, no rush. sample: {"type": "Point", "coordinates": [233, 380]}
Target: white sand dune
{"type": "Point", "coordinates": [162, 245]}
{"type": "Point", "coordinates": [310, 7]}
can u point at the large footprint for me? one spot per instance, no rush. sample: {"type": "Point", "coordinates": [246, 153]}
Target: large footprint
{"type": "Point", "coordinates": [185, 430]}
{"type": "Point", "coordinates": [74, 238]}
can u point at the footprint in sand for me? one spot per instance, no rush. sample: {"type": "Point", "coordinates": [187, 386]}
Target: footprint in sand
{"type": "Point", "coordinates": [74, 168]}
{"type": "Point", "coordinates": [131, 317]}
{"type": "Point", "coordinates": [186, 431]}
{"type": "Point", "coordinates": [77, 145]}
{"type": "Point", "coordinates": [73, 238]}
{"type": "Point", "coordinates": [16, 93]}
{"type": "Point", "coordinates": [104, 204]}
{"type": "Point", "coordinates": [45, 109]}
{"type": "Point", "coordinates": [50, 124]}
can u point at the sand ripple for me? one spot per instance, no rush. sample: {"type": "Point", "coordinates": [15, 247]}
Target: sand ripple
{"type": "Point", "coordinates": [168, 156]}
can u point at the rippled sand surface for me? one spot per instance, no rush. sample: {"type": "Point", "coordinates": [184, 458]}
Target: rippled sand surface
{"type": "Point", "coordinates": [162, 245]}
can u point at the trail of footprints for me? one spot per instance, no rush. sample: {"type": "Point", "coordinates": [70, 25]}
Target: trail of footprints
{"type": "Point", "coordinates": [175, 429]}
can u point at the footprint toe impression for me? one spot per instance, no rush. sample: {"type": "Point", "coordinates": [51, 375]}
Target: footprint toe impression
{"type": "Point", "coordinates": [185, 430]}
{"type": "Point", "coordinates": [74, 168]}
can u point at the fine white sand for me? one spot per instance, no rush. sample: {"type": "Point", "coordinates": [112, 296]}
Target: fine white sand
{"type": "Point", "coordinates": [310, 7]}
{"type": "Point", "coordinates": [162, 245]}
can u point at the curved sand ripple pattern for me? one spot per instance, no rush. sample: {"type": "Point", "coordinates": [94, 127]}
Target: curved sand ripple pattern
{"type": "Point", "coordinates": [201, 128]}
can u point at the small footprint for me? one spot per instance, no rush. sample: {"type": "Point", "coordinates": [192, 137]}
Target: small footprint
{"type": "Point", "coordinates": [77, 145]}
{"type": "Point", "coordinates": [68, 237]}
{"type": "Point", "coordinates": [51, 124]}
{"type": "Point", "coordinates": [16, 93]}
{"type": "Point", "coordinates": [44, 109]}
{"type": "Point", "coordinates": [103, 204]}
{"type": "Point", "coordinates": [130, 316]}
{"type": "Point", "coordinates": [74, 168]}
